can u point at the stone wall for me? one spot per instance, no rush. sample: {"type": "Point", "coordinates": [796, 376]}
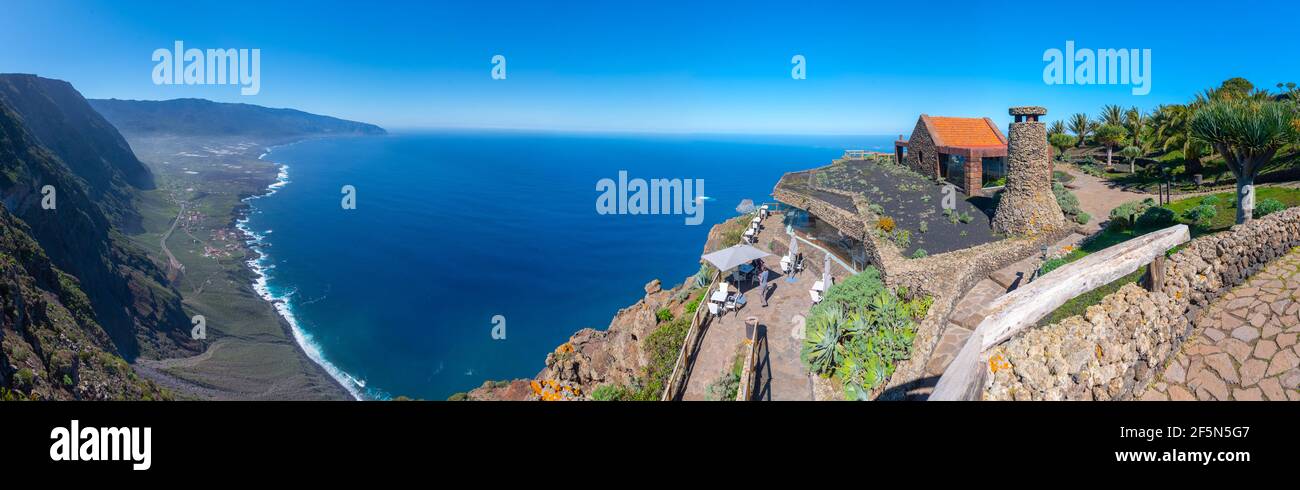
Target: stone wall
{"type": "Point", "coordinates": [944, 277]}
{"type": "Point", "coordinates": [922, 154]}
{"type": "Point", "coordinates": [1114, 349]}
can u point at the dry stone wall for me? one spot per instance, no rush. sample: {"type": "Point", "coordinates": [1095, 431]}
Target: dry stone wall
{"type": "Point", "coordinates": [1114, 349]}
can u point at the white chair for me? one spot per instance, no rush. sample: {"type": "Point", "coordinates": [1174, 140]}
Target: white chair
{"type": "Point", "coordinates": [818, 286]}
{"type": "Point", "coordinates": [785, 264]}
{"type": "Point", "coordinates": [816, 296]}
{"type": "Point", "coordinates": [731, 303]}
{"type": "Point", "coordinates": [713, 308]}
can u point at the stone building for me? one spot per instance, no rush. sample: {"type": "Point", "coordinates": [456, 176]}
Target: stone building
{"type": "Point", "coordinates": [969, 152]}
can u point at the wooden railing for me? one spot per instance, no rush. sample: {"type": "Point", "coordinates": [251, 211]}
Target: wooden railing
{"type": "Point", "coordinates": [677, 380]}
{"type": "Point", "coordinates": [965, 377]}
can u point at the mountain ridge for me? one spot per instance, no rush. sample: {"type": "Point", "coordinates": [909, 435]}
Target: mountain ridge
{"type": "Point", "coordinates": [202, 117]}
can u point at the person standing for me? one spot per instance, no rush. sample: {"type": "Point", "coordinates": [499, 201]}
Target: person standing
{"type": "Point", "coordinates": [762, 283]}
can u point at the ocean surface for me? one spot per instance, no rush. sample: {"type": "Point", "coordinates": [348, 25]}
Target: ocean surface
{"type": "Point", "coordinates": [452, 229]}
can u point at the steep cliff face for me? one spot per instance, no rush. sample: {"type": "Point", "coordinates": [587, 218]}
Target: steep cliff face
{"type": "Point", "coordinates": [61, 120]}
{"type": "Point", "coordinates": [51, 348]}
{"type": "Point", "coordinates": [125, 288]}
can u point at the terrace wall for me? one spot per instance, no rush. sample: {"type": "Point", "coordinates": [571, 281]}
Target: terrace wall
{"type": "Point", "coordinates": [1113, 351]}
{"type": "Point", "coordinates": [945, 277]}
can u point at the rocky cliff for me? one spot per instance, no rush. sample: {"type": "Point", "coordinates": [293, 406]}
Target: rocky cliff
{"type": "Point", "coordinates": [617, 355]}
{"type": "Point", "coordinates": [61, 120]}
{"type": "Point", "coordinates": [51, 348]}
{"type": "Point", "coordinates": [127, 290]}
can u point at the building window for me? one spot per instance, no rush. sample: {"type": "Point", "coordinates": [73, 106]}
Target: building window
{"type": "Point", "coordinates": [955, 169]}
{"type": "Point", "coordinates": [995, 170]}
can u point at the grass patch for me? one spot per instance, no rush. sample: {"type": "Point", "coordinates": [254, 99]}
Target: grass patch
{"type": "Point", "coordinates": [1079, 304]}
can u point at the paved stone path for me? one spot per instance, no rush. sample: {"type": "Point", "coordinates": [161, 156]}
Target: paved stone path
{"type": "Point", "coordinates": [971, 310]}
{"type": "Point", "coordinates": [781, 374]}
{"type": "Point", "coordinates": [1244, 345]}
{"type": "Point", "coordinates": [1098, 196]}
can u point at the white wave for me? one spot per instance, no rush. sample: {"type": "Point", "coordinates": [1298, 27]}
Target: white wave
{"type": "Point", "coordinates": [281, 302]}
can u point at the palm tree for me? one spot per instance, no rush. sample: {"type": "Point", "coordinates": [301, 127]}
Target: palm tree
{"type": "Point", "coordinates": [1131, 153]}
{"type": "Point", "coordinates": [1110, 135]}
{"type": "Point", "coordinates": [1135, 121]}
{"type": "Point", "coordinates": [1112, 114]}
{"type": "Point", "coordinates": [1080, 125]}
{"type": "Point", "coordinates": [1248, 133]}
{"type": "Point", "coordinates": [1057, 127]}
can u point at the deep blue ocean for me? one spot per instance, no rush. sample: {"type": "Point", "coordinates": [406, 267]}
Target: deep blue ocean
{"type": "Point", "coordinates": [397, 296]}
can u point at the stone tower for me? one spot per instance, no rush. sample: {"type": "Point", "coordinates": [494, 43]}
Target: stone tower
{"type": "Point", "coordinates": [1028, 206]}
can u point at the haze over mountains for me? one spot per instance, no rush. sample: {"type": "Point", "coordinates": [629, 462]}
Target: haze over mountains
{"type": "Point", "coordinates": [79, 298]}
{"type": "Point", "coordinates": [199, 117]}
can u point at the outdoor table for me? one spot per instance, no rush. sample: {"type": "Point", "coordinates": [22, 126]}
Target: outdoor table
{"type": "Point", "coordinates": [719, 296]}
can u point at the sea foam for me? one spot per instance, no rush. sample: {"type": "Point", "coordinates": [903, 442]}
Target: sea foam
{"type": "Point", "coordinates": [283, 301]}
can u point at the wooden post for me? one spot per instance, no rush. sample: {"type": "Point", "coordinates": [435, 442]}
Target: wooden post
{"type": "Point", "coordinates": [1156, 274]}
{"type": "Point", "coordinates": [1022, 308]}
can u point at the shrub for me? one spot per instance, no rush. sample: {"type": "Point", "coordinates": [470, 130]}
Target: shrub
{"type": "Point", "coordinates": [25, 377]}
{"type": "Point", "coordinates": [1082, 218]}
{"type": "Point", "coordinates": [1122, 217]}
{"type": "Point", "coordinates": [920, 253]}
{"type": "Point", "coordinates": [1155, 218]}
{"type": "Point", "coordinates": [693, 305]}
{"type": "Point", "coordinates": [923, 227]}
{"type": "Point", "coordinates": [965, 217]}
{"type": "Point", "coordinates": [1268, 206]}
{"type": "Point", "coordinates": [611, 393]}
{"type": "Point", "coordinates": [725, 388]}
{"type": "Point", "coordinates": [1201, 215]}
{"type": "Point", "coordinates": [662, 347]}
{"type": "Point", "coordinates": [886, 224]}
{"type": "Point", "coordinates": [901, 238]}
{"type": "Point", "coordinates": [1068, 202]}
{"type": "Point", "coordinates": [1210, 200]}
{"type": "Point", "coordinates": [663, 315]}
{"type": "Point", "coordinates": [1051, 265]}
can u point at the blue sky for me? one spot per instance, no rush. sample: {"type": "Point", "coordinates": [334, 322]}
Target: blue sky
{"type": "Point", "coordinates": [654, 66]}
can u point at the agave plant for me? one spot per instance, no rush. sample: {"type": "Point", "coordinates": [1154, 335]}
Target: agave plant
{"type": "Point", "coordinates": [859, 374]}
{"type": "Point", "coordinates": [821, 346]}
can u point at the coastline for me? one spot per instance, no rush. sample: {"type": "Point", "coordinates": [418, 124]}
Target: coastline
{"type": "Point", "coordinates": [281, 302]}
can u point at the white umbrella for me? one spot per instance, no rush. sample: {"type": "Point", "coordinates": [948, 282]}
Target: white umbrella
{"type": "Point", "coordinates": [826, 272]}
{"type": "Point", "coordinates": [794, 246]}
{"type": "Point", "coordinates": [734, 256]}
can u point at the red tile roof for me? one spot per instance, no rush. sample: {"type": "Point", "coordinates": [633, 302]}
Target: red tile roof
{"type": "Point", "coordinates": [964, 131]}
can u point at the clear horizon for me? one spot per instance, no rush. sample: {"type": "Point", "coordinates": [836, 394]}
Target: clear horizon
{"type": "Point", "coordinates": [682, 69]}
